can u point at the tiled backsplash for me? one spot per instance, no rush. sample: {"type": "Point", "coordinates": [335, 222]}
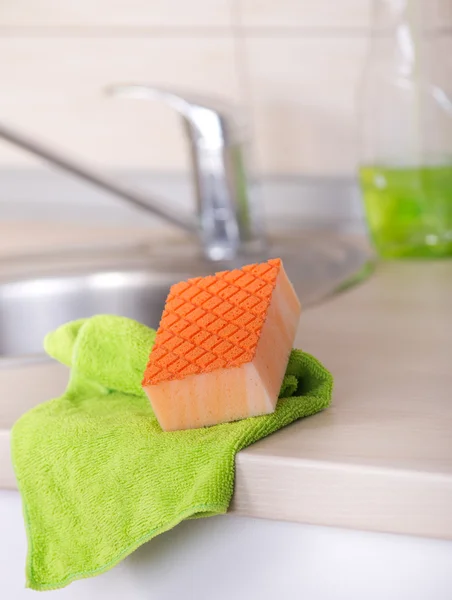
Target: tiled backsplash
{"type": "Point", "coordinates": [294, 63]}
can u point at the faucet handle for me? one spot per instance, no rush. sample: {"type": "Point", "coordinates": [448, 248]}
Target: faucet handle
{"type": "Point", "coordinates": [229, 219]}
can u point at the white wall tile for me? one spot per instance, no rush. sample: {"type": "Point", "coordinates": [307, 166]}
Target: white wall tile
{"type": "Point", "coordinates": [303, 96]}
{"type": "Point", "coordinates": [337, 14]}
{"type": "Point", "coordinates": [438, 14]}
{"type": "Point", "coordinates": [301, 88]}
{"type": "Point", "coordinates": [305, 13]}
{"type": "Point", "coordinates": [52, 88]}
{"type": "Point", "coordinates": [433, 15]}
{"type": "Point", "coordinates": [142, 13]}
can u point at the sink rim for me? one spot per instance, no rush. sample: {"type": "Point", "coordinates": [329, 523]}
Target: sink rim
{"type": "Point", "coordinates": [157, 268]}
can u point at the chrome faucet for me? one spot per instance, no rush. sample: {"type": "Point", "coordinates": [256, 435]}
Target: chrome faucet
{"type": "Point", "coordinates": [228, 220]}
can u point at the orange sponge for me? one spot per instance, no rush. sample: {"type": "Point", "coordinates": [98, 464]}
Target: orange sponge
{"type": "Point", "coordinates": [222, 346]}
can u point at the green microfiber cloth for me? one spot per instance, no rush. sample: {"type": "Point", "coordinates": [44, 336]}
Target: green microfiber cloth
{"type": "Point", "coordinates": [99, 477]}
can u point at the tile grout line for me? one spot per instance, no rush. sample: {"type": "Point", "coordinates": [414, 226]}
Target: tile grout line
{"type": "Point", "coordinates": [265, 32]}
{"type": "Point", "coordinates": [242, 68]}
{"type": "Point", "coordinates": [241, 65]}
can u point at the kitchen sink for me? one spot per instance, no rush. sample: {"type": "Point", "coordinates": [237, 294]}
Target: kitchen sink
{"type": "Point", "coordinates": [39, 293]}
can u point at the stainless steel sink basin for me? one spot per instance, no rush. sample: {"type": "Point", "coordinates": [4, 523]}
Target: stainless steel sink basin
{"type": "Point", "coordinates": [37, 294]}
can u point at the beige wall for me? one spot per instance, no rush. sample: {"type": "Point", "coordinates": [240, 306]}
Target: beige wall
{"type": "Point", "coordinates": [294, 63]}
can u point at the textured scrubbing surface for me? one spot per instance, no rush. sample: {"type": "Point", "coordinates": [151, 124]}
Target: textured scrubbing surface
{"type": "Point", "coordinates": [212, 322]}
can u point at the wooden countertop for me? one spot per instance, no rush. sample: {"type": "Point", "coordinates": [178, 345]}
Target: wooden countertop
{"type": "Point", "coordinates": [380, 458]}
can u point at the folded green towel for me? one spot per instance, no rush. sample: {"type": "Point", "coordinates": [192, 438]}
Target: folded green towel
{"type": "Point", "coordinates": [97, 475]}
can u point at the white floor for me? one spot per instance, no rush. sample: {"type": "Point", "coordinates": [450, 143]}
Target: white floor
{"type": "Point", "coordinates": [225, 558]}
